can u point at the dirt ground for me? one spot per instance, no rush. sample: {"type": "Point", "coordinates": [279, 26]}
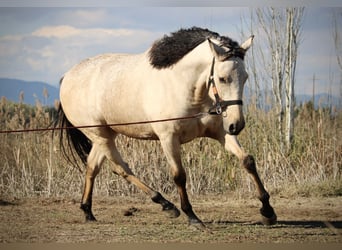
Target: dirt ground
{"type": "Point", "coordinates": [227, 220]}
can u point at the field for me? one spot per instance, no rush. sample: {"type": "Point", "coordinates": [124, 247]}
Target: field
{"type": "Point", "coordinates": [40, 191]}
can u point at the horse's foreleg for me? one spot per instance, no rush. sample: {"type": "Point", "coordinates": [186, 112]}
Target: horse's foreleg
{"type": "Point", "coordinates": [171, 149]}
{"type": "Point", "coordinates": [94, 162]}
{"type": "Point", "coordinates": [268, 215]}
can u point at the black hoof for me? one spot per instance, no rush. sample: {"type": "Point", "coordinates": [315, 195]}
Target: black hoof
{"type": "Point", "coordinates": [269, 221]}
{"type": "Point", "coordinates": [90, 218]}
{"type": "Point", "coordinates": [268, 216]}
{"type": "Point", "coordinates": [88, 213]}
{"type": "Point", "coordinates": [171, 211]}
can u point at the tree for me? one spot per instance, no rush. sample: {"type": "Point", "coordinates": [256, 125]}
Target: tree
{"type": "Point", "coordinates": [280, 29]}
{"type": "Point", "coordinates": [336, 33]}
{"type": "Point", "coordinates": [294, 18]}
{"type": "Point", "coordinates": [337, 36]}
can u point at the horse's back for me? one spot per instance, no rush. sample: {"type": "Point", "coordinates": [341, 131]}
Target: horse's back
{"type": "Point", "coordinates": [86, 84]}
{"type": "Point", "coordinates": [107, 89]}
{"type": "Point", "coordinates": [94, 68]}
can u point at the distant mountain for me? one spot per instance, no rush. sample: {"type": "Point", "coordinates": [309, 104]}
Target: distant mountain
{"type": "Point", "coordinates": [11, 89]}
{"type": "Point", "coordinates": [32, 91]}
{"type": "Point", "coordinates": [321, 100]}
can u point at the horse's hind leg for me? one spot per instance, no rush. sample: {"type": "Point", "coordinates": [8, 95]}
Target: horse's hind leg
{"type": "Point", "coordinates": [268, 215]}
{"type": "Point", "coordinates": [121, 168]}
{"type": "Point", "coordinates": [94, 162]}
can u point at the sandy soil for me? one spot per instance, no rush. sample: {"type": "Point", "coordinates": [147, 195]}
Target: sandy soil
{"type": "Point", "coordinates": [227, 220]}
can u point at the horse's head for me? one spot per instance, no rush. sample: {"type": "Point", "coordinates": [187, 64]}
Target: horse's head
{"type": "Point", "coordinates": [227, 79]}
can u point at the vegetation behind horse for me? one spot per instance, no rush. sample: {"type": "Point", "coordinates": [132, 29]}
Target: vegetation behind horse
{"type": "Point", "coordinates": [32, 164]}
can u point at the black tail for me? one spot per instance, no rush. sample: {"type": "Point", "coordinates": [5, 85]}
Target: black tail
{"type": "Point", "coordinates": [76, 141]}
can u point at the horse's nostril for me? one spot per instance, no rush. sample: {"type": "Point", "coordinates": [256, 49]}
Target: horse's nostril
{"type": "Point", "coordinates": [232, 128]}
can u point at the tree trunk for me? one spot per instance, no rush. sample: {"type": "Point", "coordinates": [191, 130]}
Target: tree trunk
{"type": "Point", "coordinates": [289, 80]}
{"type": "Point", "coordinates": [293, 24]}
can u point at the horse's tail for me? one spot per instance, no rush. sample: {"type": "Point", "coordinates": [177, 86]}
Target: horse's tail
{"type": "Point", "coordinates": [76, 141]}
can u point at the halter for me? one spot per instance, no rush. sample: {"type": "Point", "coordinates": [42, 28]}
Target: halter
{"type": "Point", "coordinates": [219, 106]}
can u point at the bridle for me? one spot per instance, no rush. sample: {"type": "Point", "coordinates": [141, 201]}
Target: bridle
{"type": "Point", "coordinates": [220, 105]}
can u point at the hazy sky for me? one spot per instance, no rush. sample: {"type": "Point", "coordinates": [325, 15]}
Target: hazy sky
{"type": "Point", "coordinates": [41, 43]}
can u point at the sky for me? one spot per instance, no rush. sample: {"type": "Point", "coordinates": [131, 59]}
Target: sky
{"type": "Point", "coordinates": [40, 42]}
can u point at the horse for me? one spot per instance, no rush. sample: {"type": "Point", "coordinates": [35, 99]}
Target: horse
{"type": "Point", "coordinates": [185, 73]}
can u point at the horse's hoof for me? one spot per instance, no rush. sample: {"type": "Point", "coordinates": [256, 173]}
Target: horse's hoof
{"type": "Point", "coordinates": [172, 212]}
{"type": "Point", "coordinates": [90, 218]}
{"type": "Point", "coordinates": [87, 212]}
{"type": "Point", "coordinates": [269, 221]}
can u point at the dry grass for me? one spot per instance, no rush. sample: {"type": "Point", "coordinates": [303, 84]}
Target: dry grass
{"type": "Point", "coordinates": [32, 164]}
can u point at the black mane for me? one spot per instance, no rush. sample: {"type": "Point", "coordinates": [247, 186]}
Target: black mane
{"type": "Point", "coordinates": [170, 49]}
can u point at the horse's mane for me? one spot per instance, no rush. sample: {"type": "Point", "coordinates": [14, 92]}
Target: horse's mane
{"type": "Point", "coordinates": [170, 49]}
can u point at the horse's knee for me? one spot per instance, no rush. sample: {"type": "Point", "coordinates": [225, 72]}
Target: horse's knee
{"type": "Point", "coordinates": [249, 164]}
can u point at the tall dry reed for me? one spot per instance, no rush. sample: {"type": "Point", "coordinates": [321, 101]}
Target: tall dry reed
{"type": "Point", "coordinates": [32, 164]}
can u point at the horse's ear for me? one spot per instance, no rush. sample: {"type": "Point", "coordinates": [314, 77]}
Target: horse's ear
{"type": "Point", "coordinates": [248, 43]}
{"type": "Point", "coordinates": [219, 52]}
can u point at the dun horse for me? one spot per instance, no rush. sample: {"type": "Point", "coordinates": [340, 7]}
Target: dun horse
{"type": "Point", "coordinates": [188, 72]}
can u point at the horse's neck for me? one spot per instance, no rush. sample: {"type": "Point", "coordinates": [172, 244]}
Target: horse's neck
{"type": "Point", "coordinates": [194, 71]}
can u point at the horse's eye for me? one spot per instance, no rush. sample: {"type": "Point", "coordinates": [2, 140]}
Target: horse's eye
{"type": "Point", "coordinates": [223, 80]}
{"type": "Point", "coordinates": [228, 79]}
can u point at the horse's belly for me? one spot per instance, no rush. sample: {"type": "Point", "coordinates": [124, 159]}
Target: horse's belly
{"type": "Point", "coordinates": [136, 131]}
